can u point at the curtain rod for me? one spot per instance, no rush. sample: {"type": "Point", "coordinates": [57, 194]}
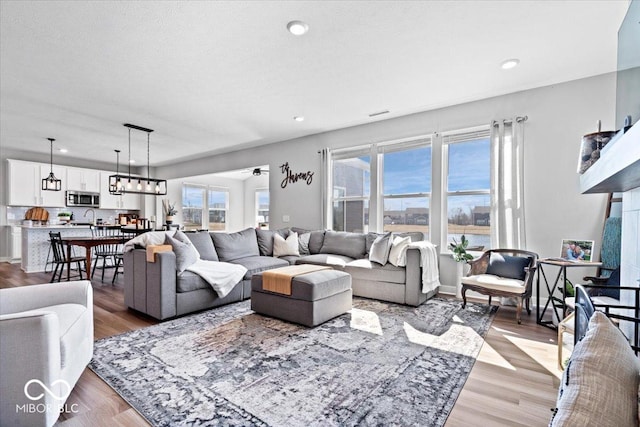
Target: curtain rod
{"type": "Point", "coordinates": [518, 119]}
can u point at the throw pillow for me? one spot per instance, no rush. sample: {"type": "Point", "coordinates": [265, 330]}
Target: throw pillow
{"type": "Point", "coordinates": [600, 385]}
{"type": "Point", "coordinates": [204, 245]}
{"type": "Point", "coordinates": [285, 247]}
{"type": "Point", "coordinates": [380, 249]}
{"type": "Point", "coordinates": [399, 245]}
{"type": "Point", "coordinates": [507, 266]}
{"type": "Point", "coordinates": [303, 243]}
{"type": "Point", "coordinates": [186, 254]}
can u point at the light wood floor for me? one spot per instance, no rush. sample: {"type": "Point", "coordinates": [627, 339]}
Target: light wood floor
{"type": "Point", "coordinates": [513, 383]}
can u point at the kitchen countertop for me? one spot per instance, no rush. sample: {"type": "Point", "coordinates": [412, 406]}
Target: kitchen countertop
{"type": "Point", "coordinates": [67, 227]}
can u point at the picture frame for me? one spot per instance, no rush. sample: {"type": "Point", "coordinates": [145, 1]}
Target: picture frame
{"type": "Point", "coordinates": [577, 250]}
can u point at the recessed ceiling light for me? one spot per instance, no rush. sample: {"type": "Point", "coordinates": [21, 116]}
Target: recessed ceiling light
{"type": "Point", "coordinates": [298, 118]}
{"type": "Point", "coordinates": [63, 150]}
{"type": "Point", "coordinates": [510, 63]}
{"type": "Point", "coordinates": [297, 28]}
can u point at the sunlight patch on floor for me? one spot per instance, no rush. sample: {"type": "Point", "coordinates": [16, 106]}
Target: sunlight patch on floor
{"type": "Point", "coordinates": [366, 321]}
{"type": "Point", "coordinates": [543, 353]}
{"type": "Point", "coordinates": [454, 337]}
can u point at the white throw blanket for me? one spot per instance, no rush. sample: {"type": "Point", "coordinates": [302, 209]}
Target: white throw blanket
{"type": "Point", "coordinates": [428, 262]}
{"type": "Point", "coordinates": [148, 238]}
{"type": "Point", "coordinates": [222, 276]}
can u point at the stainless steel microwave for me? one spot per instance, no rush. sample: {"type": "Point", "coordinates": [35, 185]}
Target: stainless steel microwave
{"type": "Point", "coordinates": [78, 198]}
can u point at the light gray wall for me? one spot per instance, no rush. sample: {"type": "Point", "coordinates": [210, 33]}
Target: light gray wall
{"type": "Point", "coordinates": [554, 208]}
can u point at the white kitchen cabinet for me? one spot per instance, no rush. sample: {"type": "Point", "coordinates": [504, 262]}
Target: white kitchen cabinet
{"type": "Point", "coordinates": [25, 184]}
{"type": "Point", "coordinates": [79, 179]}
{"type": "Point", "coordinates": [110, 201]}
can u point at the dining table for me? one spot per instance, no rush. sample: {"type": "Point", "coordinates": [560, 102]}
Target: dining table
{"type": "Point", "coordinates": [88, 242]}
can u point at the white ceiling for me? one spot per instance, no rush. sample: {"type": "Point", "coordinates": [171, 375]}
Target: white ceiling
{"type": "Point", "coordinates": [217, 76]}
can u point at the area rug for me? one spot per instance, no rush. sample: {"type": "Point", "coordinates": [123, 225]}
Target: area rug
{"type": "Point", "coordinates": [379, 364]}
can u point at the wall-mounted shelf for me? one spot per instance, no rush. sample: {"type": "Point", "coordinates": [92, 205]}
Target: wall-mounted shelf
{"type": "Point", "coordinates": [618, 168]}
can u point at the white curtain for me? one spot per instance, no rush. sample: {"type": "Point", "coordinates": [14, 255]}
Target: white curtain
{"type": "Point", "coordinates": [507, 195]}
{"type": "Point", "coordinates": [325, 155]}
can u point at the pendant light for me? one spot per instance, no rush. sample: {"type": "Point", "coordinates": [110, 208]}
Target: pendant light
{"type": "Point", "coordinates": [156, 187]}
{"type": "Point", "coordinates": [51, 183]}
{"type": "Point", "coordinates": [115, 181]}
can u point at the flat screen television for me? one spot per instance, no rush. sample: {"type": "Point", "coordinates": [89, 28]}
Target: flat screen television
{"type": "Point", "coordinates": [628, 76]}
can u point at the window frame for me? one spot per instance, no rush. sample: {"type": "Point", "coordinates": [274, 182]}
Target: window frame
{"type": "Point", "coordinates": [205, 224]}
{"type": "Point", "coordinates": [459, 136]}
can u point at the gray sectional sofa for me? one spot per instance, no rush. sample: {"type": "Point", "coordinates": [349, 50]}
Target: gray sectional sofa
{"type": "Point", "coordinates": [155, 288]}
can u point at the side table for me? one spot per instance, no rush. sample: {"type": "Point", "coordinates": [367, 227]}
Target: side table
{"type": "Point", "coordinates": [557, 302]}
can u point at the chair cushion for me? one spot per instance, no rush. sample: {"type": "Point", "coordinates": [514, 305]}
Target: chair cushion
{"type": "Point", "coordinates": [188, 281]}
{"type": "Point", "coordinates": [507, 266]}
{"type": "Point", "coordinates": [203, 244]}
{"type": "Point", "coordinates": [489, 281]}
{"type": "Point", "coordinates": [600, 385]}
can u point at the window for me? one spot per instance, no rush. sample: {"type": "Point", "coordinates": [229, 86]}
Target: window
{"type": "Point", "coordinates": [351, 187]}
{"type": "Point", "coordinates": [406, 181]}
{"type": "Point", "coordinates": [194, 200]}
{"type": "Point", "coordinates": [438, 184]}
{"type": "Point", "coordinates": [402, 172]}
{"type": "Point", "coordinates": [218, 202]}
{"type": "Point", "coordinates": [468, 186]}
{"type": "Point", "coordinates": [262, 208]}
{"type": "Point", "coordinates": [192, 205]}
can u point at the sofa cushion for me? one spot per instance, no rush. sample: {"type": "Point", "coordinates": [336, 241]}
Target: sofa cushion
{"type": "Point", "coordinates": [256, 264]}
{"type": "Point", "coordinates": [188, 281]}
{"type": "Point", "coordinates": [490, 281]}
{"type": "Point", "coordinates": [204, 244]}
{"type": "Point", "coordinates": [186, 253]}
{"type": "Point", "coordinates": [265, 239]}
{"type": "Point", "coordinates": [363, 269]}
{"type": "Point", "coordinates": [285, 247]}
{"type": "Point", "coordinates": [241, 244]}
{"type": "Point", "coordinates": [291, 259]}
{"type": "Point", "coordinates": [600, 385]}
{"type": "Point", "coordinates": [344, 243]}
{"type": "Point", "coordinates": [336, 261]}
{"type": "Point", "coordinates": [369, 238]}
{"type": "Point", "coordinates": [379, 251]}
{"type": "Point", "coordinates": [507, 266]}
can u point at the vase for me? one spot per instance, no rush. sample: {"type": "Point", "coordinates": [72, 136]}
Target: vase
{"type": "Point", "coordinates": [169, 219]}
{"type": "Point", "coordinates": [459, 273]}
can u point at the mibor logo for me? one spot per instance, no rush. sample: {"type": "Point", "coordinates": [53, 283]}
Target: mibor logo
{"type": "Point", "coordinates": [66, 389]}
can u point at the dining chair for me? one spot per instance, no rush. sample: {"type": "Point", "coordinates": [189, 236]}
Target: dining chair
{"type": "Point", "coordinates": [106, 253]}
{"type": "Point", "coordinates": [60, 258]}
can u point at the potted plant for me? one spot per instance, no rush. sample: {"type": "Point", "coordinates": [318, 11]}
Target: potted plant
{"type": "Point", "coordinates": [169, 210]}
{"type": "Point", "coordinates": [64, 216]}
{"type": "Point", "coordinates": [461, 256]}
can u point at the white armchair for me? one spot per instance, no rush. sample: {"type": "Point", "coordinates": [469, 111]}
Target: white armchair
{"type": "Point", "coordinates": [46, 335]}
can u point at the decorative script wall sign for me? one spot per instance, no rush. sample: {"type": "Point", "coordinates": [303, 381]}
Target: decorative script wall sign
{"type": "Point", "coordinates": [292, 178]}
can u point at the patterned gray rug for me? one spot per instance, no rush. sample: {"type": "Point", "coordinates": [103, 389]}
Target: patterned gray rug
{"type": "Point", "coordinates": [380, 364]}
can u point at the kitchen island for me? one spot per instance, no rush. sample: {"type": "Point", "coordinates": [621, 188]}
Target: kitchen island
{"type": "Point", "coordinates": [35, 244]}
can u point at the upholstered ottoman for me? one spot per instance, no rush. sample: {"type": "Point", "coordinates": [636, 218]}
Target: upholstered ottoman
{"type": "Point", "coordinates": [314, 298]}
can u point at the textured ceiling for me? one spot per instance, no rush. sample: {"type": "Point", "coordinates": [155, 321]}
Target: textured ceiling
{"type": "Point", "coordinates": [217, 76]}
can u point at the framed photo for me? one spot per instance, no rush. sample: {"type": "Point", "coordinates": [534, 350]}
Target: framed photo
{"type": "Point", "coordinates": [577, 249]}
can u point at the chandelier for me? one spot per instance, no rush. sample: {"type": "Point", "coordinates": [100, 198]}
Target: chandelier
{"type": "Point", "coordinates": [122, 184]}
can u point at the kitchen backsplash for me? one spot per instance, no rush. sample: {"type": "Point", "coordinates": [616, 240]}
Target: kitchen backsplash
{"type": "Point", "coordinates": [15, 215]}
